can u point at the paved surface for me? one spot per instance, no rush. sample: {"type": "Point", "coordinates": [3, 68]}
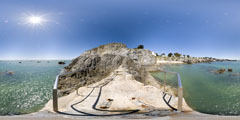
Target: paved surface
{"type": "Point", "coordinates": [181, 116]}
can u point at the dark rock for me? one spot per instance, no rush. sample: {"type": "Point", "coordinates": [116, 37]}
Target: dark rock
{"type": "Point", "coordinates": [110, 100]}
{"type": "Point", "coordinates": [220, 71]}
{"type": "Point", "coordinates": [230, 70]}
{"type": "Point", "coordinates": [20, 62]}
{"type": "Point", "coordinates": [61, 63]}
{"type": "Point", "coordinates": [10, 73]}
{"type": "Point", "coordinates": [188, 62]}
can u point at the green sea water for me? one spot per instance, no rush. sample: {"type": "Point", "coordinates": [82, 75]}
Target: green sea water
{"type": "Point", "coordinates": [206, 91]}
{"type": "Point", "coordinates": [29, 88]}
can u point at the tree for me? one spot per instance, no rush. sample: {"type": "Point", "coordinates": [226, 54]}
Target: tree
{"type": "Point", "coordinates": [170, 55]}
{"type": "Point", "coordinates": [188, 56]}
{"type": "Point", "coordinates": [140, 47]}
{"type": "Point", "coordinates": [177, 54]}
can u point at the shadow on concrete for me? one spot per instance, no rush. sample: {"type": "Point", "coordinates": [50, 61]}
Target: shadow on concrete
{"type": "Point", "coordinates": [122, 112]}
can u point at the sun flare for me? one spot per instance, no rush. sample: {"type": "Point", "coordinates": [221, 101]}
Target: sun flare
{"type": "Point", "coordinates": [35, 20]}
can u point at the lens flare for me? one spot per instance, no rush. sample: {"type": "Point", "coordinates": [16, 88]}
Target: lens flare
{"type": "Point", "coordinates": [35, 20]}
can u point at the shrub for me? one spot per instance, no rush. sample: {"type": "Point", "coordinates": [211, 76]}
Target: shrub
{"type": "Point", "coordinates": [177, 54]}
{"type": "Point", "coordinates": [170, 55]}
{"type": "Point", "coordinates": [140, 47]}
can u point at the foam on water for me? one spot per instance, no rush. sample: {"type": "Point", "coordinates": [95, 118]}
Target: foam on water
{"type": "Point", "coordinates": [29, 88]}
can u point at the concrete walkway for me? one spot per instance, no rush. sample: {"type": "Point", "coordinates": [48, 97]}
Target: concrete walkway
{"type": "Point", "coordinates": [118, 94]}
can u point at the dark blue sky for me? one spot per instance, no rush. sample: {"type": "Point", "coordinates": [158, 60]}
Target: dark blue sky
{"type": "Point", "coordinates": [195, 27]}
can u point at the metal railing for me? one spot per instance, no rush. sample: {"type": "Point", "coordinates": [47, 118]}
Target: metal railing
{"type": "Point", "coordinates": [55, 95]}
{"type": "Point", "coordinates": [179, 89]}
{"type": "Point", "coordinates": [55, 91]}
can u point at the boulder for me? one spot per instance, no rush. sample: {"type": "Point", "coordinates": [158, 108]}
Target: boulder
{"type": "Point", "coordinates": [188, 61]}
{"type": "Point", "coordinates": [10, 73]}
{"type": "Point", "coordinates": [61, 63]}
{"type": "Point", "coordinates": [230, 70]}
{"type": "Point", "coordinates": [220, 71]}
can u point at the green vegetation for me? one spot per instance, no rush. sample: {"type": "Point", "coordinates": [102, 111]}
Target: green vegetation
{"type": "Point", "coordinates": [170, 55]}
{"type": "Point", "coordinates": [177, 54]}
{"type": "Point", "coordinates": [140, 47]}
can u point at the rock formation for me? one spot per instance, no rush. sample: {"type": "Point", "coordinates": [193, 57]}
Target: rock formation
{"type": "Point", "coordinates": [96, 64]}
{"type": "Point", "coordinates": [61, 63]}
{"type": "Point", "coordinates": [10, 73]}
{"type": "Point", "coordinates": [220, 71]}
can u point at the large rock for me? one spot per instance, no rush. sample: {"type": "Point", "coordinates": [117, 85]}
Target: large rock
{"type": "Point", "coordinates": [220, 71]}
{"type": "Point", "coordinates": [142, 56]}
{"type": "Point", "coordinates": [94, 65]}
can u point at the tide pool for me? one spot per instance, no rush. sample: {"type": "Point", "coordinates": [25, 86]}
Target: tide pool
{"type": "Point", "coordinates": [29, 88]}
{"type": "Point", "coordinates": [206, 91]}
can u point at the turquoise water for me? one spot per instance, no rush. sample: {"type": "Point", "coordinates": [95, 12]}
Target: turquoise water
{"type": "Point", "coordinates": [29, 88]}
{"type": "Point", "coordinates": [206, 91]}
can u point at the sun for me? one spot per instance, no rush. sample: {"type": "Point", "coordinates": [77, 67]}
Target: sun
{"type": "Point", "coordinates": [35, 20]}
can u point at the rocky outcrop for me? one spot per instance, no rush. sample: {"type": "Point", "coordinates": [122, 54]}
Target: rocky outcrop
{"type": "Point", "coordinates": [141, 56]}
{"type": "Point", "coordinates": [61, 63]}
{"type": "Point", "coordinates": [189, 60]}
{"type": "Point", "coordinates": [220, 71]}
{"type": "Point", "coordinates": [96, 64]}
{"type": "Point", "coordinates": [10, 73]}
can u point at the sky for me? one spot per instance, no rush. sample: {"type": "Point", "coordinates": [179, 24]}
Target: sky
{"type": "Point", "coordinates": [63, 29]}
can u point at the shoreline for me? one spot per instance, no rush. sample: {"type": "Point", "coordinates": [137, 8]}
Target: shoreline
{"type": "Point", "coordinates": [162, 62]}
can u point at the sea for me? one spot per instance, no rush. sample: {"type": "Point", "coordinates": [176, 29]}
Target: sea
{"type": "Point", "coordinates": [206, 91]}
{"type": "Point", "coordinates": [29, 87]}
